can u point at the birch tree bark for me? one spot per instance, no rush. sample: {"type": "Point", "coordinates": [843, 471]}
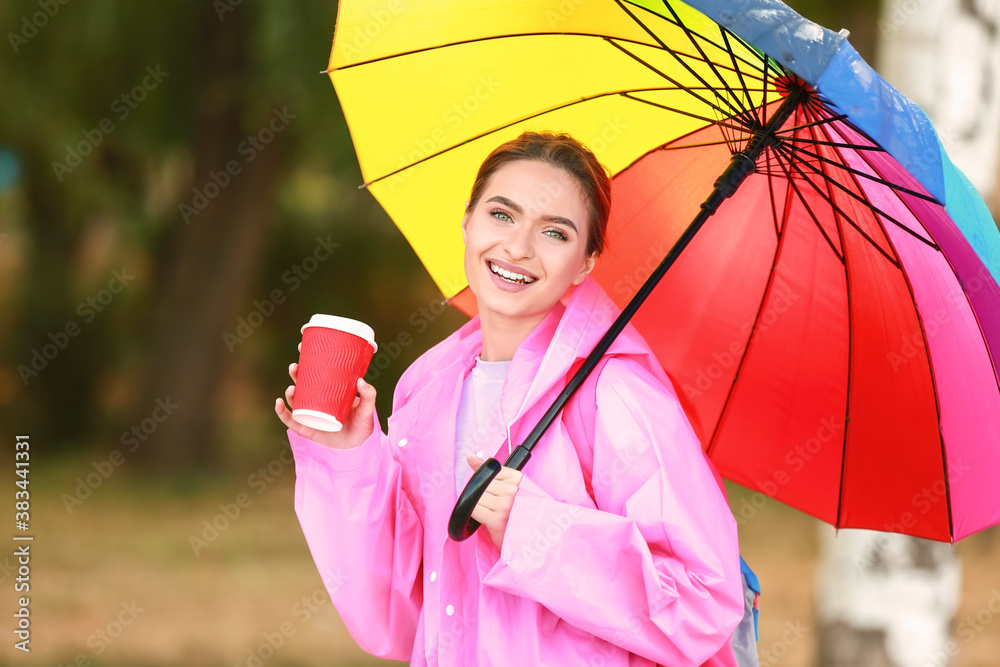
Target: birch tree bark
{"type": "Point", "coordinates": [945, 56]}
{"type": "Point", "coordinates": [887, 600]}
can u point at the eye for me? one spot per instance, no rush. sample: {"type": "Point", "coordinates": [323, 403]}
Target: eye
{"type": "Point", "coordinates": [501, 215]}
{"type": "Point", "coordinates": [557, 234]}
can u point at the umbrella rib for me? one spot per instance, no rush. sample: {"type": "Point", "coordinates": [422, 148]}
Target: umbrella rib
{"type": "Point", "coordinates": [839, 210]}
{"type": "Point", "coordinates": [950, 265]}
{"type": "Point", "coordinates": [706, 119]}
{"type": "Point", "coordinates": [625, 94]}
{"type": "Point", "coordinates": [821, 121]}
{"type": "Point", "coordinates": [835, 144]}
{"type": "Point", "coordinates": [476, 40]}
{"type": "Point", "coordinates": [749, 340]}
{"type": "Point", "coordinates": [930, 370]}
{"type": "Point", "coordinates": [704, 56]}
{"type": "Point", "coordinates": [676, 83]}
{"type": "Point", "coordinates": [850, 364]}
{"type": "Point", "coordinates": [672, 147]}
{"type": "Point", "coordinates": [769, 155]}
{"type": "Point", "coordinates": [812, 215]}
{"type": "Point", "coordinates": [850, 341]}
{"type": "Point", "coordinates": [857, 172]}
{"type": "Point", "coordinates": [656, 37]}
{"type": "Point", "coordinates": [868, 203]}
{"type": "Point", "coordinates": [762, 57]}
{"type": "Point", "coordinates": [743, 84]}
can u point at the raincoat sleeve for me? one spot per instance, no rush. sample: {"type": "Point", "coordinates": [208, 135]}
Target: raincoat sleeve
{"type": "Point", "coordinates": [365, 537]}
{"type": "Point", "coordinates": [656, 568]}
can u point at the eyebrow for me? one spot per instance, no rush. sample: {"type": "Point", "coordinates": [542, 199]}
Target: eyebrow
{"type": "Point", "coordinates": [520, 211]}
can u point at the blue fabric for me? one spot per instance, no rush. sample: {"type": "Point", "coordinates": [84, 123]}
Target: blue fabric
{"type": "Point", "coordinates": [802, 46]}
{"type": "Point", "coordinates": [751, 581]}
{"type": "Point", "coordinates": [894, 122]}
{"type": "Point", "coordinates": [969, 212]}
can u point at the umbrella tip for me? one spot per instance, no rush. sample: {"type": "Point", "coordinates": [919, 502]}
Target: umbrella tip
{"type": "Point", "coordinates": [362, 186]}
{"type": "Point", "coordinates": [845, 33]}
{"type": "Point", "coordinates": [326, 71]}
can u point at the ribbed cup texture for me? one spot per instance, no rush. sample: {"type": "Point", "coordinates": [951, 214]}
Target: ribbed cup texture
{"type": "Point", "coordinates": [330, 363]}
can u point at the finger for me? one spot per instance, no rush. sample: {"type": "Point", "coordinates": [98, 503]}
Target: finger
{"type": "Point", "coordinates": [293, 370]}
{"type": "Point", "coordinates": [299, 348]}
{"type": "Point", "coordinates": [290, 394]}
{"type": "Point", "coordinates": [367, 395]}
{"type": "Point", "coordinates": [283, 414]}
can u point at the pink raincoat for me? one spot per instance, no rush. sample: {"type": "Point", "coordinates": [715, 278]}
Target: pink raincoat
{"type": "Point", "coordinates": [618, 552]}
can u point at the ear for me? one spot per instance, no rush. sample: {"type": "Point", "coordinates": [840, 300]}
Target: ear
{"type": "Point", "coordinates": [588, 265]}
{"type": "Point", "coordinates": [465, 228]}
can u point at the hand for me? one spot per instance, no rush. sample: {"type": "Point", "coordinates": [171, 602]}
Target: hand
{"type": "Point", "coordinates": [493, 508]}
{"type": "Point", "coordinates": [357, 428]}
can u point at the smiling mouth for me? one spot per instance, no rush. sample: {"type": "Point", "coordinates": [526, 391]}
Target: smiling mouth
{"type": "Point", "coordinates": [510, 276]}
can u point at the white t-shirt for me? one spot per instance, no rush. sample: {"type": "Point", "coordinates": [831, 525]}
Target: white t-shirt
{"type": "Point", "coordinates": [480, 427]}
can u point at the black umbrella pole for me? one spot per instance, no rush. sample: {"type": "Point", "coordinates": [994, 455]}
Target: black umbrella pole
{"type": "Point", "coordinates": [461, 525]}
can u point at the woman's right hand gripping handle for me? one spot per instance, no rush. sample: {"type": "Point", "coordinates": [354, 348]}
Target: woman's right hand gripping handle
{"type": "Point", "coordinates": [357, 428]}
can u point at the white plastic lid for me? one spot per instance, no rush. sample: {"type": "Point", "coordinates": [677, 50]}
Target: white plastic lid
{"type": "Point", "coordinates": [359, 329]}
{"type": "Point", "coordinates": [317, 420]}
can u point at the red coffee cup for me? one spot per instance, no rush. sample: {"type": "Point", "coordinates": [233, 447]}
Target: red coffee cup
{"type": "Point", "coordinates": [335, 352]}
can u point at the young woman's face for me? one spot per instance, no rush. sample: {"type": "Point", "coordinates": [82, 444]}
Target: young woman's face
{"type": "Point", "coordinates": [525, 241]}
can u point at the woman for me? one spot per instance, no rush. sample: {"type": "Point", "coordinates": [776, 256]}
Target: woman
{"type": "Point", "coordinates": [615, 545]}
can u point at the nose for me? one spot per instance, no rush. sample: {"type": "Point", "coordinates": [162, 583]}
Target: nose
{"type": "Point", "coordinates": [518, 242]}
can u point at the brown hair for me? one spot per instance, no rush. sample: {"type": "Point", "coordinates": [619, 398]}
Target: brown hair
{"type": "Point", "coordinates": [568, 154]}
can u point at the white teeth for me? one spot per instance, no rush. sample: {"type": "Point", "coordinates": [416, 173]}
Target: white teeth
{"type": "Point", "coordinates": [510, 275]}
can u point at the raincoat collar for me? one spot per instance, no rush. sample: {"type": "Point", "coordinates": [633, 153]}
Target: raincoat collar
{"type": "Point", "coordinates": [566, 334]}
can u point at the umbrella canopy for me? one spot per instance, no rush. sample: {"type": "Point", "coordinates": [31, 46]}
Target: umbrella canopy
{"type": "Point", "coordinates": [833, 331]}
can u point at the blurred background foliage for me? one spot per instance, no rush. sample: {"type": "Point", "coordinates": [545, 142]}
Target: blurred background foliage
{"type": "Point", "coordinates": [80, 200]}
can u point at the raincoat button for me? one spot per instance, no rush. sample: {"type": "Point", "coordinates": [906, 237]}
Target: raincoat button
{"type": "Point", "coordinates": [450, 610]}
{"type": "Point", "coordinates": [434, 575]}
{"type": "Point", "coordinates": [402, 442]}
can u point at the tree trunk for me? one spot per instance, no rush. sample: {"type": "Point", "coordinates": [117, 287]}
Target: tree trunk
{"type": "Point", "coordinates": [885, 600]}
{"type": "Point", "coordinates": [207, 267]}
{"type": "Point", "coordinates": [945, 56]}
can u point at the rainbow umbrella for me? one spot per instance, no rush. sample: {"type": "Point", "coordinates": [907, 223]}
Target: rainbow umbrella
{"type": "Point", "coordinates": [833, 330]}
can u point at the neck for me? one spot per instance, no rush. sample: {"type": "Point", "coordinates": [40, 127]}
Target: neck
{"type": "Point", "coordinates": [502, 336]}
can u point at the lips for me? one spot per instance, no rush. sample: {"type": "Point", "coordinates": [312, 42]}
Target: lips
{"type": "Point", "coordinates": [509, 273]}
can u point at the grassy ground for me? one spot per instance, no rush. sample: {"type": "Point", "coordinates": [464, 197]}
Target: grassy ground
{"type": "Point", "coordinates": [118, 582]}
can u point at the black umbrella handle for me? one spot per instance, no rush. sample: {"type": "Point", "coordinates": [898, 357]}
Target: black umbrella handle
{"type": "Point", "coordinates": [461, 525]}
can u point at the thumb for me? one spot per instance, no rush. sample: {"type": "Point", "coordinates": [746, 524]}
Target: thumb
{"type": "Point", "coordinates": [473, 460]}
